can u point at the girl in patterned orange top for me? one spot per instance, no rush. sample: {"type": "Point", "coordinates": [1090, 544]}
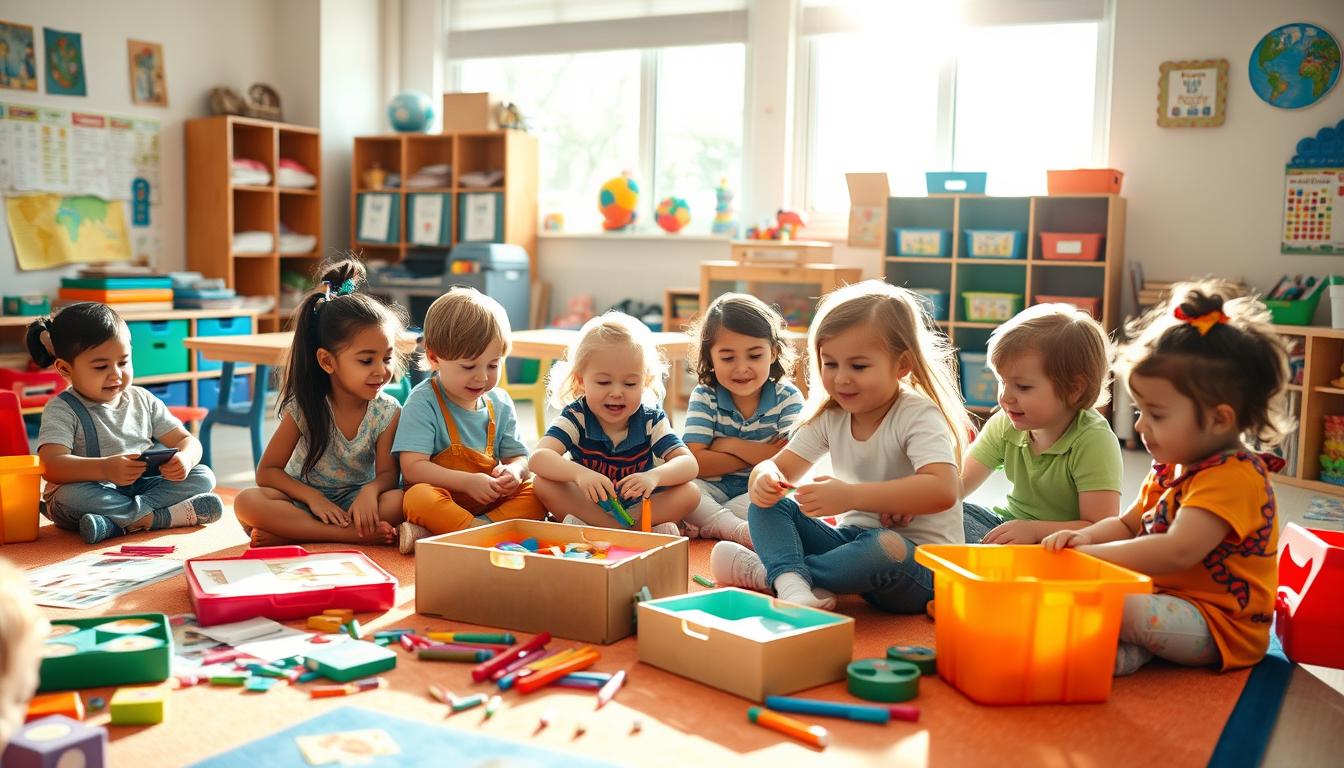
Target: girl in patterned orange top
{"type": "Point", "coordinates": [1205, 374]}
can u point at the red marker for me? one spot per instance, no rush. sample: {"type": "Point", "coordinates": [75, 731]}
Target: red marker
{"type": "Point", "coordinates": [483, 671]}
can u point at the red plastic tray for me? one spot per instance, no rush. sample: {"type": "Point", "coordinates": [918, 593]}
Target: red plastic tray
{"type": "Point", "coordinates": [286, 583]}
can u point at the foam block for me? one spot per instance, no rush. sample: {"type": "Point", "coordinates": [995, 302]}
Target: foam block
{"type": "Point", "coordinates": [141, 705]}
{"type": "Point", "coordinates": [65, 703]}
{"type": "Point", "coordinates": [343, 662]}
{"type": "Point", "coordinates": [56, 742]}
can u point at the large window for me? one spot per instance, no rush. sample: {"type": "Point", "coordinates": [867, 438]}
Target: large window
{"type": "Point", "coordinates": [671, 116]}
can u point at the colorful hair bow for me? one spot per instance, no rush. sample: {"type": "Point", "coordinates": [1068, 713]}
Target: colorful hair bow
{"type": "Point", "coordinates": [1203, 323]}
{"type": "Point", "coordinates": [345, 289]}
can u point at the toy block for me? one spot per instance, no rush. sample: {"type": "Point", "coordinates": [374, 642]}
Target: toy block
{"type": "Point", "coordinates": [344, 614]}
{"type": "Point", "coordinates": [142, 705]}
{"type": "Point", "coordinates": [65, 703]}
{"type": "Point", "coordinates": [56, 742]}
{"type": "Point", "coordinates": [325, 623]}
{"type": "Point", "coordinates": [347, 661]}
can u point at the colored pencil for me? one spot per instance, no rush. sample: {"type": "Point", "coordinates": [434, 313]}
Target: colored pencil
{"type": "Point", "coordinates": [482, 672]}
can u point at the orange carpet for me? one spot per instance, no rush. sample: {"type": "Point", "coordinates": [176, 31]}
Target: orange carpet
{"type": "Point", "coordinates": [1162, 715]}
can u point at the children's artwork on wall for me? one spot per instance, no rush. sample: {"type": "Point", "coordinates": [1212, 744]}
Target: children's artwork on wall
{"type": "Point", "coordinates": [18, 60]}
{"type": "Point", "coordinates": [1294, 66]}
{"type": "Point", "coordinates": [149, 87]}
{"type": "Point", "coordinates": [1192, 94]}
{"type": "Point", "coordinates": [1313, 211]}
{"type": "Point", "coordinates": [65, 62]}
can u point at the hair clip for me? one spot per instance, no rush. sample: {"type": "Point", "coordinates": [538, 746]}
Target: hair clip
{"type": "Point", "coordinates": [1203, 323]}
{"type": "Point", "coordinates": [347, 288]}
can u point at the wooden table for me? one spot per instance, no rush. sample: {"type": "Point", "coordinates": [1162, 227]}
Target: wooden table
{"type": "Point", "coordinates": [265, 351]}
{"type": "Point", "coordinates": [547, 345]}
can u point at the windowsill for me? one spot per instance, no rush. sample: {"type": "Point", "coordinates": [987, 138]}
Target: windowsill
{"type": "Point", "coordinates": [638, 235]}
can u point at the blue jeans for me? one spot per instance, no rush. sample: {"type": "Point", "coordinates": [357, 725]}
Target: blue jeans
{"type": "Point", "coordinates": [978, 521]}
{"type": "Point", "coordinates": [125, 504]}
{"type": "Point", "coordinates": [877, 563]}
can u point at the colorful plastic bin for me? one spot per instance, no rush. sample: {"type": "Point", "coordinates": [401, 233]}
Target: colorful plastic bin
{"type": "Point", "coordinates": [914, 241]}
{"type": "Point", "coordinates": [33, 387]}
{"type": "Point", "coordinates": [171, 392]}
{"type": "Point", "coordinates": [956, 182]}
{"type": "Point", "coordinates": [156, 347]}
{"type": "Point", "coordinates": [207, 392]}
{"type": "Point", "coordinates": [1089, 304]}
{"type": "Point", "coordinates": [20, 485]}
{"type": "Point", "coordinates": [28, 305]}
{"type": "Point", "coordinates": [1297, 312]}
{"type": "Point", "coordinates": [1309, 607]}
{"type": "Point", "coordinates": [1015, 624]}
{"type": "Point", "coordinates": [1084, 181]}
{"type": "Point", "coordinates": [219, 326]}
{"type": "Point", "coordinates": [1071, 246]}
{"type": "Point", "coordinates": [978, 385]}
{"type": "Point", "coordinates": [106, 650]}
{"type": "Point", "coordinates": [935, 302]}
{"type": "Point", "coordinates": [995, 243]}
{"type": "Point", "coordinates": [991, 306]}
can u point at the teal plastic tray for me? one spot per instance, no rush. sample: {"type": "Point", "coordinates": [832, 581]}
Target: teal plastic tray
{"type": "Point", "coordinates": [93, 653]}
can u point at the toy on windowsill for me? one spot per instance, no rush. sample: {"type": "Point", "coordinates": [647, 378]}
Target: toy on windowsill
{"type": "Point", "coordinates": [673, 215]}
{"type": "Point", "coordinates": [786, 227]}
{"type": "Point", "coordinates": [724, 223]}
{"type": "Point", "coordinates": [617, 200]}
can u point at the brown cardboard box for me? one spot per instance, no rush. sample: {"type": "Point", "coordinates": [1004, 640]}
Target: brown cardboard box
{"type": "Point", "coordinates": [462, 577]}
{"type": "Point", "coordinates": [731, 649]}
{"type": "Point", "coordinates": [868, 193]}
{"type": "Point", "coordinates": [469, 112]}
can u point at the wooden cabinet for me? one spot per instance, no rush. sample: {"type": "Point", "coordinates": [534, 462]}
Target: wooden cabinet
{"type": "Point", "coordinates": [1310, 402]}
{"type": "Point", "coordinates": [793, 289]}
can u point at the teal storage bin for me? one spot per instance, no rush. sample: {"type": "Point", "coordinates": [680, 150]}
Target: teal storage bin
{"type": "Point", "coordinates": [156, 347]}
{"type": "Point", "coordinates": [219, 326]}
{"type": "Point", "coordinates": [978, 384]}
{"type": "Point", "coordinates": [171, 393]}
{"type": "Point", "coordinates": [475, 211]}
{"type": "Point", "coordinates": [913, 241]}
{"type": "Point", "coordinates": [935, 302]}
{"type": "Point", "coordinates": [996, 243]}
{"type": "Point", "coordinates": [207, 392]}
{"type": "Point", "coordinates": [29, 305]}
{"type": "Point", "coordinates": [956, 182]}
{"type": "Point", "coordinates": [424, 231]}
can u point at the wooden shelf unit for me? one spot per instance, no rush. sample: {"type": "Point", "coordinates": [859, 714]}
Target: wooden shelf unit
{"type": "Point", "coordinates": [1312, 400]}
{"type": "Point", "coordinates": [1030, 276]}
{"type": "Point", "coordinates": [803, 285]}
{"type": "Point", "coordinates": [513, 152]}
{"type": "Point", "coordinates": [217, 208]}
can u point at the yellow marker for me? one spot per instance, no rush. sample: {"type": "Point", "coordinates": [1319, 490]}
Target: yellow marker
{"type": "Point", "coordinates": [552, 660]}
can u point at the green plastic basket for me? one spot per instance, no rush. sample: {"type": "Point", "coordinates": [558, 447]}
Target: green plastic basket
{"type": "Point", "coordinates": [1297, 312]}
{"type": "Point", "coordinates": [86, 662]}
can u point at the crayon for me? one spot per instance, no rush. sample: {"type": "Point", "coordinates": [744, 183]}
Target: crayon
{"type": "Point", "coordinates": [865, 713]}
{"type": "Point", "coordinates": [813, 735]}
{"type": "Point", "coordinates": [541, 678]}
{"type": "Point", "coordinates": [609, 690]}
{"type": "Point", "coordinates": [353, 629]}
{"type": "Point", "coordinates": [704, 582]}
{"type": "Point", "coordinates": [519, 663]}
{"type": "Point", "coordinates": [467, 702]}
{"type": "Point", "coordinates": [646, 516]}
{"type": "Point", "coordinates": [345, 689]}
{"type": "Point", "coordinates": [487, 638]}
{"type": "Point", "coordinates": [596, 677]}
{"type": "Point", "coordinates": [483, 672]}
{"type": "Point", "coordinates": [492, 706]}
{"type": "Point", "coordinates": [440, 694]}
{"type": "Point", "coordinates": [569, 681]}
{"type": "Point", "coordinates": [450, 654]}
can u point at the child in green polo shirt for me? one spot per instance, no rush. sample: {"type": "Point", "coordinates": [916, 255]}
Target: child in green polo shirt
{"type": "Point", "coordinates": [1052, 363]}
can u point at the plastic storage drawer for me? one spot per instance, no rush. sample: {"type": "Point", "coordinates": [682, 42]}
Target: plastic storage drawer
{"type": "Point", "coordinates": [172, 392]}
{"type": "Point", "coordinates": [1071, 246]}
{"type": "Point", "coordinates": [978, 384]}
{"type": "Point", "coordinates": [156, 347]}
{"type": "Point", "coordinates": [921, 242]}
{"type": "Point", "coordinates": [219, 326]}
{"type": "Point", "coordinates": [955, 182]}
{"type": "Point", "coordinates": [996, 243]}
{"type": "Point", "coordinates": [991, 307]}
{"type": "Point", "coordinates": [207, 392]}
{"type": "Point", "coordinates": [935, 301]}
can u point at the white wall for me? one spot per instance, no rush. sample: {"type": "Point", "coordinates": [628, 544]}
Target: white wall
{"type": "Point", "coordinates": [205, 44]}
{"type": "Point", "coordinates": [1206, 200]}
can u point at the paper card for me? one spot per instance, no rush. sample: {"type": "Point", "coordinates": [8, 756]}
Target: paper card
{"type": "Point", "coordinates": [347, 748]}
{"type": "Point", "coordinates": [478, 224]}
{"type": "Point", "coordinates": [868, 193]}
{"type": "Point", "coordinates": [91, 580]}
{"type": "Point", "coordinates": [375, 217]}
{"type": "Point", "coordinates": [243, 631]}
{"type": "Point", "coordinates": [427, 220]}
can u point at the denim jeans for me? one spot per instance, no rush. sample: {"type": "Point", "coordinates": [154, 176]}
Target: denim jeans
{"type": "Point", "coordinates": [877, 563]}
{"type": "Point", "coordinates": [978, 521]}
{"type": "Point", "coordinates": [125, 504]}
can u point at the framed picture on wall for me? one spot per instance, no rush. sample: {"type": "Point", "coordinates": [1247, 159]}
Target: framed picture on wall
{"type": "Point", "coordinates": [149, 87]}
{"type": "Point", "coordinates": [1192, 94]}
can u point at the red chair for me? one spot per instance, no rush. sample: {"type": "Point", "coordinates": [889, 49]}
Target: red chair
{"type": "Point", "coordinates": [13, 436]}
{"type": "Point", "coordinates": [191, 416]}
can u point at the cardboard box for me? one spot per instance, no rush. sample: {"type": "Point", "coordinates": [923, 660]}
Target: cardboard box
{"type": "Point", "coordinates": [469, 112]}
{"type": "Point", "coordinates": [744, 642]}
{"type": "Point", "coordinates": [868, 193]}
{"type": "Point", "coordinates": [462, 576]}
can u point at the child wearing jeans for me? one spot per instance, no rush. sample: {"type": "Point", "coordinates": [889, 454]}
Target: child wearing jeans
{"type": "Point", "coordinates": [94, 433]}
{"type": "Point", "coordinates": [740, 412]}
{"type": "Point", "coordinates": [1206, 372]}
{"type": "Point", "coordinates": [611, 435]}
{"type": "Point", "coordinates": [889, 414]}
{"type": "Point", "coordinates": [458, 442]}
{"type": "Point", "coordinates": [1053, 366]}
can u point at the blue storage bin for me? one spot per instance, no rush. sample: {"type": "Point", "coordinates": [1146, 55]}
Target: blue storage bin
{"type": "Point", "coordinates": [219, 326]}
{"type": "Point", "coordinates": [955, 182]}
{"type": "Point", "coordinates": [995, 243]}
{"type": "Point", "coordinates": [207, 392]}
{"type": "Point", "coordinates": [978, 384]}
{"type": "Point", "coordinates": [914, 241]}
{"type": "Point", "coordinates": [935, 302]}
{"type": "Point", "coordinates": [171, 393]}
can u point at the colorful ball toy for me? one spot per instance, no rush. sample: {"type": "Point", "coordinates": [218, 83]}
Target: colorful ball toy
{"type": "Point", "coordinates": [617, 201]}
{"type": "Point", "coordinates": [673, 214]}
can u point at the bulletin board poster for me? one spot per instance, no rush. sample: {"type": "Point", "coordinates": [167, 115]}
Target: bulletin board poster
{"type": "Point", "coordinates": [68, 174]}
{"type": "Point", "coordinates": [1313, 217]}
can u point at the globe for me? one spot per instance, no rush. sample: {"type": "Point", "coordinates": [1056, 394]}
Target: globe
{"type": "Point", "coordinates": [673, 214]}
{"type": "Point", "coordinates": [410, 112]}
{"type": "Point", "coordinates": [1294, 66]}
{"type": "Point", "coordinates": [617, 200]}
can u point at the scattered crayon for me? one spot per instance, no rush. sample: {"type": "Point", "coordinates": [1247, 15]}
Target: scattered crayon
{"type": "Point", "coordinates": [345, 689]}
{"type": "Point", "coordinates": [704, 582]}
{"type": "Point", "coordinates": [610, 688]}
{"type": "Point", "coordinates": [489, 638]}
{"type": "Point", "coordinates": [906, 712]}
{"type": "Point", "coordinates": [813, 735]}
{"type": "Point", "coordinates": [483, 672]}
{"type": "Point", "coordinates": [492, 706]}
{"type": "Point", "coordinates": [467, 702]}
{"type": "Point", "coordinates": [440, 694]}
{"type": "Point", "coordinates": [864, 713]}
{"type": "Point", "coordinates": [450, 654]}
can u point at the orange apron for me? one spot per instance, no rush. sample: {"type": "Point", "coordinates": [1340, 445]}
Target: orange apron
{"type": "Point", "coordinates": [439, 510]}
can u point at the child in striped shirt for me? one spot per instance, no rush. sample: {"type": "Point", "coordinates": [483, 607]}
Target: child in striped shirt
{"type": "Point", "coordinates": [610, 433]}
{"type": "Point", "coordinates": [740, 412]}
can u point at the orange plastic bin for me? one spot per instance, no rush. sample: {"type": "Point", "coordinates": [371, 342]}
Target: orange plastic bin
{"type": "Point", "coordinates": [1019, 625]}
{"type": "Point", "coordinates": [20, 481]}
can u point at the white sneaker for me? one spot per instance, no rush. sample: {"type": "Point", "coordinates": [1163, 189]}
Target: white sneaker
{"type": "Point", "coordinates": [573, 520]}
{"type": "Point", "coordinates": [408, 534]}
{"type": "Point", "coordinates": [734, 565]}
{"type": "Point", "coordinates": [667, 529]}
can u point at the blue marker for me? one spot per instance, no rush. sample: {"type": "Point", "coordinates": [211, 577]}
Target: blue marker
{"type": "Point", "coordinates": [864, 713]}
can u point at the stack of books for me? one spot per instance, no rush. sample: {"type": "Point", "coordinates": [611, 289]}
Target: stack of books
{"type": "Point", "coordinates": [191, 290]}
{"type": "Point", "coordinates": [125, 289]}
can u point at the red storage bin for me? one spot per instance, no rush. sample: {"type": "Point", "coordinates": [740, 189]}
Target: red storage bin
{"type": "Point", "coordinates": [34, 386]}
{"type": "Point", "coordinates": [1089, 304]}
{"type": "Point", "coordinates": [1309, 607]}
{"type": "Point", "coordinates": [1071, 246]}
{"type": "Point", "coordinates": [1084, 181]}
{"type": "Point", "coordinates": [286, 583]}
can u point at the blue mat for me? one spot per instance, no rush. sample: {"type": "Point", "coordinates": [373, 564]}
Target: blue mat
{"type": "Point", "coordinates": [420, 743]}
{"type": "Point", "coordinates": [1246, 734]}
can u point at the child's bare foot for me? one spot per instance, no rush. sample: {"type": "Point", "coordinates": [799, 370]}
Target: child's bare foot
{"type": "Point", "coordinates": [262, 538]}
{"type": "Point", "coordinates": [384, 533]}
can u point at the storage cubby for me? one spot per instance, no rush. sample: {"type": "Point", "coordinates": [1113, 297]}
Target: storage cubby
{"type": "Point", "coordinates": [253, 210]}
{"type": "Point", "coordinates": [255, 142]}
{"type": "Point", "coordinates": [920, 275]}
{"type": "Point", "coordinates": [381, 152]}
{"type": "Point", "coordinates": [257, 276]}
{"type": "Point", "coordinates": [304, 147]}
{"type": "Point", "coordinates": [919, 213]}
{"type": "Point", "coordinates": [430, 149]}
{"type": "Point", "coordinates": [479, 152]}
{"type": "Point", "coordinates": [303, 215]}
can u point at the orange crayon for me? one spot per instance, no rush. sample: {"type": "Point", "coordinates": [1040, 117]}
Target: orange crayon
{"type": "Point", "coordinates": [543, 677]}
{"type": "Point", "coordinates": [813, 735]}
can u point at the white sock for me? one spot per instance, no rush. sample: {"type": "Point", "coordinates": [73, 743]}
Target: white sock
{"type": "Point", "coordinates": [795, 589]}
{"type": "Point", "coordinates": [722, 524]}
{"type": "Point", "coordinates": [183, 514]}
{"type": "Point", "coordinates": [1129, 657]}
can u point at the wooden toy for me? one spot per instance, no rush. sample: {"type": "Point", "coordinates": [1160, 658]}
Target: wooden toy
{"type": "Point", "coordinates": [346, 615]}
{"type": "Point", "coordinates": [883, 680]}
{"type": "Point", "coordinates": [347, 661]}
{"type": "Point", "coordinates": [330, 624]}
{"type": "Point", "coordinates": [56, 742]}
{"type": "Point", "coordinates": [67, 704]}
{"type": "Point", "coordinates": [106, 651]}
{"type": "Point", "coordinates": [142, 705]}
